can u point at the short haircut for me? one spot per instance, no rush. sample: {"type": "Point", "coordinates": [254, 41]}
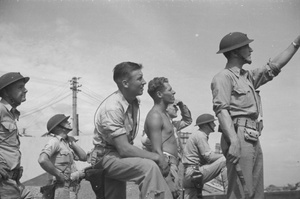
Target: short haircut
{"type": "Point", "coordinates": [156, 84]}
{"type": "Point", "coordinates": [123, 70]}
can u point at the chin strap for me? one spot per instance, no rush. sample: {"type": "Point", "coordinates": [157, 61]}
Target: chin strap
{"type": "Point", "coordinates": [243, 58]}
{"type": "Point", "coordinates": [70, 129]}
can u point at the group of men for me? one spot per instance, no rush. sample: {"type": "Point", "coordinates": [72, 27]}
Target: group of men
{"type": "Point", "coordinates": [236, 103]}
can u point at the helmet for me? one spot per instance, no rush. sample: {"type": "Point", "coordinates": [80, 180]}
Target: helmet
{"type": "Point", "coordinates": [55, 121]}
{"type": "Point", "coordinates": [204, 118]}
{"type": "Point", "coordinates": [10, 78]}
{"type": "Point", "coordinates": [233, 41]}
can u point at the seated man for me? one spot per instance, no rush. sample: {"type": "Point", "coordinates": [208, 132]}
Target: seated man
{"type": "Point", "coordinates": [160, 130]}
{"type": "Point", "coordinates": [186, 120]}
{"type": "Point", "coordinates": [200, 162]}
{"type": "Point", "coordinates": [57, 158]}
{"type": "Point", "coordinates": [116, 126]}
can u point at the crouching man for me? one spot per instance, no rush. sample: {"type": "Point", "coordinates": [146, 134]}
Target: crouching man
{"type": "Point", "coordinates": [58, 155]}
{"type": "Point", "coordinates": [200, 162]}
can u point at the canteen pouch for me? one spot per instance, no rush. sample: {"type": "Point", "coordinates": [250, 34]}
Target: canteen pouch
{"type": "Point", "coordinates": [251, 134]}
{"type": "Point", "coordinates": [48, 191]}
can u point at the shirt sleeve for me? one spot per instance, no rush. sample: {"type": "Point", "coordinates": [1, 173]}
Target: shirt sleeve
{"type": "Point", "coordinates": [204, 148]}
{"type": "Point", "coordinates": [51, 147]}
{"type": "Point", "coordinates": [112, 123]}
{"type": "Point", "coordinates": [185, 120]}
{"type": "Point", "coordinates": [264, 74]}
{"type": "Point", "coordinates": [221, 87]}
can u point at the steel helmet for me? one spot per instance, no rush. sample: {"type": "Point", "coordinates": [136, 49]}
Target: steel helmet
{"type": "Point", "coordinates": [233, 41]}
{"type": "Point", "coordinates": [55, 121]}
{"type": "Point", "coordinates": [10, 78]}
{"type": "Point", "coordinates": [204, 118]}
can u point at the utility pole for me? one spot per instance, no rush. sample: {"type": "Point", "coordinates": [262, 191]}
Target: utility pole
{"type": "Point", "coordinates": [74, 88]}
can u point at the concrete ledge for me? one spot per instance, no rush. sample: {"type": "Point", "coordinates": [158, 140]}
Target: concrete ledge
{"type": "Point", "coordinates": [268, 195]}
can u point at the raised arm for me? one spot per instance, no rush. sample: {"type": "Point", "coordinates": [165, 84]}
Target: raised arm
{"type": "Point", "coordinates": [186, 117]}
{"type": "Point", "coordinates": [284, 57]}
{"type": "Point", "coordinates": [76, 148]}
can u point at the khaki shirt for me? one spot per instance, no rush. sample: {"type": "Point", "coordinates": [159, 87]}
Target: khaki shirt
{"type": "Point", "coordinates": [61, 155]}
{"type": "Point", "coordinates": [116, 117]}
{"type": "Point", "coordinates": [197, 150]}
{"type": "Point", "coordinates": [10, 153]}
{"type": "Point", "coordinates": [234, 89]}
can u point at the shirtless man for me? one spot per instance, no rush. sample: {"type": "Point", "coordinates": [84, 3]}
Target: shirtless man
{"type": "Point", "coordinates": [160, 130]}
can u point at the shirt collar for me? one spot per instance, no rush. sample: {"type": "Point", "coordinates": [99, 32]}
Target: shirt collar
{"type": "Point", "coordinates": [59, 137]}
{"type": "Point", "coordinates": [124, 102]}
{"type": "Point", "coordinates": [237, 71]}
{"type": "Point", "coordinates": [204, 133]}
{"type": "Point", "coordinates": [6, 104]}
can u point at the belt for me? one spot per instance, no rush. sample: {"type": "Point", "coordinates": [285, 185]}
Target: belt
{"type": "Point", "coordinates": [172, 158]}
{"type": "Point", "coordinates": [194, 166]}
{"type": "Point", "coordinates": [246, 122]}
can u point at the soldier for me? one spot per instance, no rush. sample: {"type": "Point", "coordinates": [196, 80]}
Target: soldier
{"type": "Point", "coordinates": [200, 162]}
{"type": "Point", "coordinates": [237, 105]}
{"type": "Point", "coordinates": [58, 155]}
{"type": "Point", "coordinates": [13, 93]}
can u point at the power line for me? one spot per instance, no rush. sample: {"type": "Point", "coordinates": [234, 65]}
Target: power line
{"type": "Point", "coordinates": [94, 98]}
{"type": "Point", "coordinates": [93, 93]}
{"type": "Point", "coordinates": [59, 93]}
{"type": "Point", "coordinates": [42, 108]}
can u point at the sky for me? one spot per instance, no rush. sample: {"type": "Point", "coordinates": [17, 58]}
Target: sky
{"type": "Point", "coordinates": [52, 41]}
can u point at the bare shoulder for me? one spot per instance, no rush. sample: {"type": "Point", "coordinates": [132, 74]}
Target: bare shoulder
{"type": "Point", "coordinates": [153, 115]}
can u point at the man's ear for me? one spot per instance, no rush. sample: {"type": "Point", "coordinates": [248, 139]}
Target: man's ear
{"type": "Point", "coordinates": [3, 92]}
{"type": "Point", "coordinates": [159, 94]}
{"type": "Point", "coordinates": [125, 83]}
{"type": "Point", "coordinates": [235, 53]}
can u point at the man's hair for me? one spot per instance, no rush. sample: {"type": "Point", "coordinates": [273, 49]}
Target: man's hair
{"type": "Point", "coordinates": [123, 70]}
{"type": "Point", "coordinates": [156, 84]}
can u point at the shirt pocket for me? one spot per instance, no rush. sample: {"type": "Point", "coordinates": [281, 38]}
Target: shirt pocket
{"type": "Point", "coordinates": [240, 96]}
{"type": "Point", "coordinates": [63, 157]}
{"type": "Point", "coordinates": [9, 132]}
{"type": "Point", "coordinates": [9, 126]}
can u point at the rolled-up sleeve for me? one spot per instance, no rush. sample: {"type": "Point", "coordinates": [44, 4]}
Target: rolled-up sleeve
{"type": "Point", "coordinates": [221, 90]}
{"type": "Point", "coordinates": [51, 147]}
{"type": "Point", "coordinates": [112, 123]}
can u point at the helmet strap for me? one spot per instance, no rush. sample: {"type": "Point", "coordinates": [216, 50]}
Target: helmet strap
{"type": "Point", "coordinates": [61, 126]}
{"type": "Point", "coordinates": [210, 127]}
{"type": "Point", "coordinates": [243, 58]}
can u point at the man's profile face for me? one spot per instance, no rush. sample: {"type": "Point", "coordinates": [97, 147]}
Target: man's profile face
{"type": "Point", "coordinates": [168, 94]}
{"type": "Point", "coordinates": [136, 82]}
{"type": "Point", "coordinates": [17, 91]}
{"type": "Point", "coordinates": [245, 52]}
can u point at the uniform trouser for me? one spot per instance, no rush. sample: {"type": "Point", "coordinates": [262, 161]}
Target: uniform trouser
{"type": "Point", "coordinates": [143, 172]}
{"type": "Point", "coordinates": [251, 163]}
{"type": "Point", "coordinates": [173, 179]}
{"type": "Point", "coordinates": [209, 172]}
{"type": "Point", "coordinates": [66, 192]}
{"type": "Point", "coordinates": [9, 189]}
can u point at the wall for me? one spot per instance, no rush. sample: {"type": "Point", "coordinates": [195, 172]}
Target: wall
{"type": "Point", "coordinates": [31, 148]}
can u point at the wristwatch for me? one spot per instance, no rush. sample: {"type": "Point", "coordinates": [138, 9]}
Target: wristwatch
{"type": "Point", "coordinates": [295, 44]}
